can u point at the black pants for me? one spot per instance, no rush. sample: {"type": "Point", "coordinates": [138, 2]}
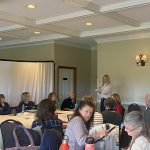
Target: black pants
{"type": "Point", "coordinates": [102, 106]}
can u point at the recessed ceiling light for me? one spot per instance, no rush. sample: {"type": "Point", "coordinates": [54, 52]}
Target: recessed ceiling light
{"type": "Point", "coordinates": [31, 6]}
{"type": "Point", "coordinates": [88, 24]}
{"type": "Point", "coordinates": [37, 32]}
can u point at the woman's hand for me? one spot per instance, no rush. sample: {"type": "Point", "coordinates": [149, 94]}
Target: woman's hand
{"type": "Point", "coordinates": [100, 134]}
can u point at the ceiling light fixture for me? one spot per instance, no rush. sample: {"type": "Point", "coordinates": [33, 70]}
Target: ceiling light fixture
{"type": "Point", "coordinates": [0, 38]}
{"type": "Point", "coordinates": [37, 32]}
{"type": "Point", "coordinates": [88, 24]}
{"type": "Point", "coordinates": [31, 6]}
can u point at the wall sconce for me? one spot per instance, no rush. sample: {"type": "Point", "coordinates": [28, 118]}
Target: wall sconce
{"type": "Point", "coordinates": [141, 59]}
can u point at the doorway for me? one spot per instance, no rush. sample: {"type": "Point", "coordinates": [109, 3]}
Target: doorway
{"type": "Point", "coordinates": [66, 81]}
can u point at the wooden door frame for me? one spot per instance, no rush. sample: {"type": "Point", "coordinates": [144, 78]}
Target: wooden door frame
{"type": "Point", "coordinates": [74, 79]}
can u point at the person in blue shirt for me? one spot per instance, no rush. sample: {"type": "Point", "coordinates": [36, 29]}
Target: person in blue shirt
{"type": "Point", "coordinates": [25, 103]}
{"type": "Point", "coordinates": [69, 103]}
{"type": "Point", "coordinates": [4, 106]}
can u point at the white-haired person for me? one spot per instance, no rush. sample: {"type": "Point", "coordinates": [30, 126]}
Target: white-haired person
{"type": "Point", "coordinates": [138, 129]}
{"type": "Point", "coordinates": [69, 103]}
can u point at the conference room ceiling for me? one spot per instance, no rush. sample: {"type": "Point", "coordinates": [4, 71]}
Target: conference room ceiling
{"type": "Point", "coordinates": [64, 21]}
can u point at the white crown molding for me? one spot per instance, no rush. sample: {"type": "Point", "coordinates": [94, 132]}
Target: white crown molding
{"type": "Point", "coordinates": [115, 30]}
{"type": "Point", "coordinates": [124, 5]}
{"type": "Point", "coordinates": [40, 39]}
{"type": "Point", "coordinates": [27, 44]}
{"type": "Point", "coordinates": [123, 37]}
{"type": "Point", "coordinates": [77, 45]}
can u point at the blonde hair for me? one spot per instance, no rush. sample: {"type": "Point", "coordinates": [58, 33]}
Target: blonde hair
{"type": "Point", "coordinates": [71, 94]}
{"type": "Point", "coordinates": [107, 79]}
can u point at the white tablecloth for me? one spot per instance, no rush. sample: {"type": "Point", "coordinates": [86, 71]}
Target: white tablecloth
{"type": "Point", "coordinates": [27, 118]}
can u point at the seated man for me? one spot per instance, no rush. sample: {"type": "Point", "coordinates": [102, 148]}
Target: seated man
{"type": "Point", "coordinates": [4, 106]}
{"type": "Point", "coordinates": [109, 115]}
{"type": "Point", "coordinates": [69, 103]}
{"type": "Point", "coordinates": [147, 111]}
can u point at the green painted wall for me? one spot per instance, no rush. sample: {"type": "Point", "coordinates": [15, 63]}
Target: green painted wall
{"type": "Point", "coordinates": [118, 60]}
{"type": "Point", "coordinates": [33, 52]}
{"type": "Point", "coordinates": [79, 58]}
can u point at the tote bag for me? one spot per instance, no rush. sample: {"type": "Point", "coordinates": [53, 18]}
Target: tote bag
{"type": "Point", "coordinates": [18, 146]}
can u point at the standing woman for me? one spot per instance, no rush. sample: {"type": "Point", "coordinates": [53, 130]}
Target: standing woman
{"type": "Point", "coordinates": [104, 91]}
{"type": "Point", "coordinates": [138, 129]}
{"type": "Point", "coordinates": [78, 127]}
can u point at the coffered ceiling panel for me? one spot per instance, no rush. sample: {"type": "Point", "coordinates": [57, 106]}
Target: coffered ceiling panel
{"type": "Point", "coordinates": [65, 20]}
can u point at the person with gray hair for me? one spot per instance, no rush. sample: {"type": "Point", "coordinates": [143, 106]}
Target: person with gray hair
{"type": "Point", "coordinates": [147, 111]}
{"type": "Point", "coordinates": [138, 129]}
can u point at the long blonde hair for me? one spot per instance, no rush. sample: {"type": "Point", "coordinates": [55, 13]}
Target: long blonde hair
{"type": "Point", "coordinates": [107, 79]}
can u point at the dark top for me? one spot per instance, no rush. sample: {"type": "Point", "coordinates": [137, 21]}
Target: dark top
{"type": "Point", "coordinates": [147, 114]}
{"type": "Point", "coordinates": [48, 124]}
{"type": "Point", "coordinates": [67, 103]}
{"type": "Point", "coordinates": [112, 117]}
{"type": "Point", "coordinates": [30, 105]}
{"type": "Point", "coordinates": [4, 110]}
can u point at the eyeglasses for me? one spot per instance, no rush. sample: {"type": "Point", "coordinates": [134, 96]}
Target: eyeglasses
{"type": "Point", "coordinates": [131, 129]}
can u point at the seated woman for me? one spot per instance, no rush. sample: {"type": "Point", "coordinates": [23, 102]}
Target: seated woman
{"type": "Point", "coordinates": [69, 103]}
{"type": "Point", "coordinates": [4, 106]}
{"type": "Point", "coordinates": [25, 103]}
{"type": "Point", "coordinates": [118, 107]}
{"type": "Point", "coordinates": [52, 96]}
{"type": "Point", "coordinates": [138, 129]}
{"type": "Point", "coordinates": [45, 116]}
{"type": "Point", "coordinates": [78, 127]}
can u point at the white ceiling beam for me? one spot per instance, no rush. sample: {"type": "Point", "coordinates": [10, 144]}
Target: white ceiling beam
{"type": "Point", "coordinates": [27, 22]}
{"type": "Point", "coordinates": [116, 30]}
{"type": "Point", "coordinates": [121, 18]}
{"type": "Point", "coordinates": [124, 5]}
{"type": "Point", "coordinates": [88, 5]}
{"type": "Point", "coordinates": [16, 19]}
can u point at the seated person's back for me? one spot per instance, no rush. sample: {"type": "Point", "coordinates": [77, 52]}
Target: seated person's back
{"type": "Point", "coordinates": [25, 103]}
{"type": "Point", "coordinates": [45, 116]}
{"type": "Point", "coordinates": [4, 106]}
{"type": "Point", "coordinates": [69, 103]}
{"type": "Point", "coordinates": [109, 115]}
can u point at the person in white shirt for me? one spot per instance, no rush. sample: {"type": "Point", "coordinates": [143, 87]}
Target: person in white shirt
{"type": "Point", "coordinates": [104, 91]}
{"type": "Point", "coordinates": [138, 129]}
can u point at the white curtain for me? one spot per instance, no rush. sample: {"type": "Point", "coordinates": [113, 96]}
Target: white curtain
{"type": "Point", "coordinates": [34, 77]}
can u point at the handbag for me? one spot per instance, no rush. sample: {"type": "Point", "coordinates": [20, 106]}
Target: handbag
{"type": "Point", "coordinates": [18, 146]}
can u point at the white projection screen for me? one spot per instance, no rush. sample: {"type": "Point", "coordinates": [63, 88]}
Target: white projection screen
{"type": "Point", "coordinates": [19, 76]}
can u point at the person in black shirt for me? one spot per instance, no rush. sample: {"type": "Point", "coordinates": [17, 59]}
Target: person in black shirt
{"type": "Point", "coordinates": [25, 103]}
{"type": "Point", "coordinates": [4, 106]}
{"type": "Point", "coordinates": [69, 103]}
{"type": "Point", "coordinates": [109, 115]}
